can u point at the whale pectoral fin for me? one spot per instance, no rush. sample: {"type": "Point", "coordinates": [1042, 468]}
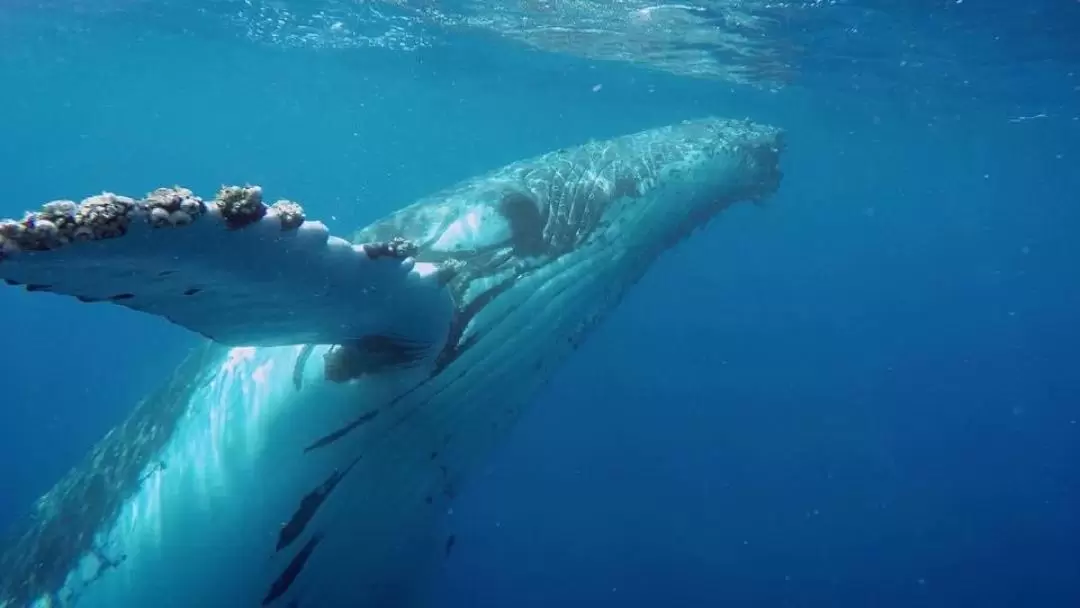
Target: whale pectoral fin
{"type": "Point", "coordinates": [234, 269]}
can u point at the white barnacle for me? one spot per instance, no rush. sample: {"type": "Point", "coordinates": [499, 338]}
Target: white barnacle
{"type": "Point", "coordinates": [8, 246]}
{"type": "Point", "coordinates": [179, 218]}
{"type": "Point", "coordinates": [137, 212]}
{"type": "Point", "coordinates": [60, 208]}
{"type": "Point", "coordinates": [159, 217]}
{"type": "Point", "coordinates": [190, 206]}
{"type": "Point", "coordinates": [45, 229]}
{"type": "Point", "coordinates": [98, 200]}
{"type": "Point", "coordinates": [254, 194]}
{"type": "Point", "coordinates": [12, 230]}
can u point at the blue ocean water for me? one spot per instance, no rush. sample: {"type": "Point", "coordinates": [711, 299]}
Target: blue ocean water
{"type": "Point", "coordinates": [863, 393]}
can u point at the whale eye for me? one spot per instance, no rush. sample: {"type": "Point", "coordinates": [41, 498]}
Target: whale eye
{"type": "Point", "coordinates": [526, 223]}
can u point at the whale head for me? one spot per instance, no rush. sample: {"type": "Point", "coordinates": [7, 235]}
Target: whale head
{"type": "Point", "coordinates": [587, 220]}
{"type": "Point", "coordinates": [644, 191]}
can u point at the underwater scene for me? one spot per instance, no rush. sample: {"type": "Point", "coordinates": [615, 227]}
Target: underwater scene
{"type": "Point", "coordinates": [479, 304]}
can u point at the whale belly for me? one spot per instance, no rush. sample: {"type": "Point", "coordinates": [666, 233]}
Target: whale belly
{"type": "Point", "coordinates": [223, 514]}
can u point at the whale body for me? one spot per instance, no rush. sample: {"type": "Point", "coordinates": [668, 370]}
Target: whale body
{"type": "Point", "coordinates": [309, 475]}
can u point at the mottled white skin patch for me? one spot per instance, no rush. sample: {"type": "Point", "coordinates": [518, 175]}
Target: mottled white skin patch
{"type": "Point", "coordinates": [202, 530]}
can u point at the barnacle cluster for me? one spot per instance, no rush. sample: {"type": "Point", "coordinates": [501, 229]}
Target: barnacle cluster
{"type": "Point", "coordinates": [395, 248]}
{"type": "Point", "coordinates": [449, 270]}
{"type": "Point", "coordinates": [241, 205]}
{"type": "Point", "coordinates": [173, 207]}
{"type": "Point", "coordinates": [107, 215]}
{"type": "Point", "coordinates": [61, 222]}
{"type": "Point", "coordinates": [291, 214]}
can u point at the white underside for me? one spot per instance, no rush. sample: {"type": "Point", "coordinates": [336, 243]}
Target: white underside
{"type": "Point", "coordinates": [202, 530]}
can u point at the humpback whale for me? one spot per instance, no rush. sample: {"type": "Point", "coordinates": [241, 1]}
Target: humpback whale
{"type": "Point", "coordinates": [307, 454]}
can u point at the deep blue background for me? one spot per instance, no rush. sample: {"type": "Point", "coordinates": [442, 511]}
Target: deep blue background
{"type": "Point", "coordinates": [864, 393]}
